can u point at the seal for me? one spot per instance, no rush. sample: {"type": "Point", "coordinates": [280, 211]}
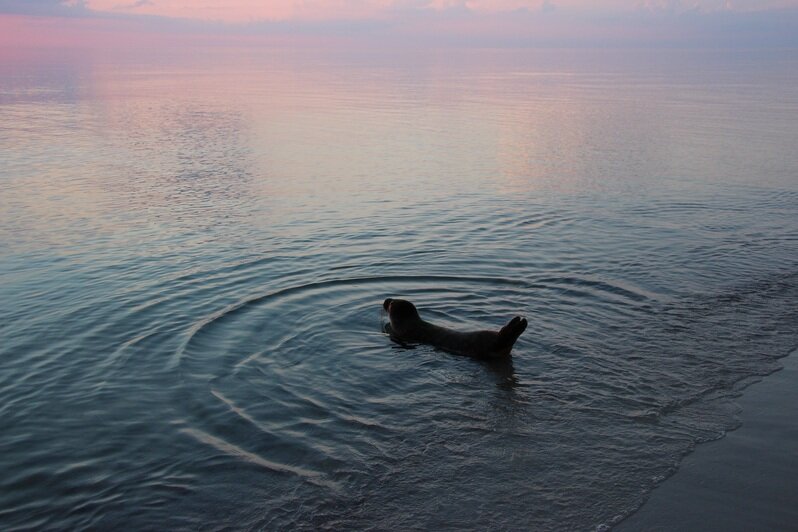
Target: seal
{"type": "Point", "coordinates": [407, 326]}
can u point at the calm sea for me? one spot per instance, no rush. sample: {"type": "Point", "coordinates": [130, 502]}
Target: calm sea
{"type": "Point", "coordinates": [194, 249]}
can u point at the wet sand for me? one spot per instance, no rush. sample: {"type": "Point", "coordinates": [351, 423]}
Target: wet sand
{"type": "Point", "coordinates": [745, 481]}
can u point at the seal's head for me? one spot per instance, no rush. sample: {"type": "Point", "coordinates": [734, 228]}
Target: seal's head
{"type": "Point", "coordinates": [401, 313]}
{"type": "Point", "coordinates": [400, 309]}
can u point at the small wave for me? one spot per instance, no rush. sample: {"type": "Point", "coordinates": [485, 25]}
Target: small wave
{"type": "Point", "coordinates": [624, 290]}
{"type": "Point", "coordinates": [313, 477]}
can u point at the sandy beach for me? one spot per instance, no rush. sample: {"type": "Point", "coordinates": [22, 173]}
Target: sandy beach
{"type": "Point", "coordinates": [745, 481]}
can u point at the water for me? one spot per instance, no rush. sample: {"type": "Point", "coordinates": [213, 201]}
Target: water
{"type": "Point", "coordinates": [195, 249]}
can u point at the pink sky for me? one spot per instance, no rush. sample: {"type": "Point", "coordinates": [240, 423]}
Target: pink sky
{"type": "Point", "coordinates": [109, 23]}
{"type": "Point", "coordinates": [254, 10]}
{"type": "Point", "coordinates": [249, 10]}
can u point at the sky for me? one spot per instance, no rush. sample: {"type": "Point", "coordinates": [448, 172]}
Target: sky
{"type": "Point", "coordinates": [103, 23]}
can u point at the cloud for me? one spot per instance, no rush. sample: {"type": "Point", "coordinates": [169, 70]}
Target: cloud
{"type": "Point", "coordinates": [249, 11]}
{"type": "Point", "coordinates": [421, 23]}
{"type": "Point", "coordinates": [134, 5]}
{"type": "Point", "coordinates": [53, 8]}
{"type": "Point", "coordinates": [547, 7]}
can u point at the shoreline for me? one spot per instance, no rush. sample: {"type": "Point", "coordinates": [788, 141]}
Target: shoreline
{"type": "Point", "coordinates": [747, 480]}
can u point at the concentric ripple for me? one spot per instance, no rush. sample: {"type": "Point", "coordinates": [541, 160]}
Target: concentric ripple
{"type": "Point", "coordinates": [302, 383]}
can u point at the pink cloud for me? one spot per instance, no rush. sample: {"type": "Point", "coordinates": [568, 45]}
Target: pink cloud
{"type": "Point", "coordinates": [238, 11]}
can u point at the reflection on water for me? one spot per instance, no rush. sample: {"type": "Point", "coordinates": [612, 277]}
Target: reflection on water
{"type": "Point", "coordinates": [195, 251]}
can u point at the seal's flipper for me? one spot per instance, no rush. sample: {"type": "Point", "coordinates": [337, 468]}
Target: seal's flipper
{"type": "Point", "coordinates": [510, 332]}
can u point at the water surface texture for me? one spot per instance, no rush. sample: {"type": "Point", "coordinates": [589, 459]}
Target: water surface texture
{"type": "Point", "coordinates": [194, 251]}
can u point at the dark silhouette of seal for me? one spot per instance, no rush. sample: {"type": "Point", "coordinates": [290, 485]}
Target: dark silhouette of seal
{"type": "Point", "coordinates": [407, 326]}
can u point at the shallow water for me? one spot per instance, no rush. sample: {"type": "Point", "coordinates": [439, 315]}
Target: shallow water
{"type": "Point", "coordinates": [195, 250]}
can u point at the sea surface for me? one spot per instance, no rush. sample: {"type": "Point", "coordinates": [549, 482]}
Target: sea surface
{"type": "Point", "coordinates": [195, 246]}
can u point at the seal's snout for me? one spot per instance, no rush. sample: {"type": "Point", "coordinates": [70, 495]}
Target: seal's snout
{"type": "Point", "coordinates": [386, 303]}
